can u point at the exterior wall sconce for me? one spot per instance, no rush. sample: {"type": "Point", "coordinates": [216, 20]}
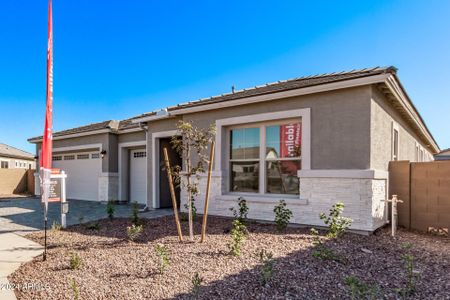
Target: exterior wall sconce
{"type": "Point", "coordinates": [103, 153]}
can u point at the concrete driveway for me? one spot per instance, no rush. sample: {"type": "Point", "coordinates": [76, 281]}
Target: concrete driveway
{"type": "Point", "coordinates": [24, 215]}
{"type": "Point", "coordinates": [19, 216]}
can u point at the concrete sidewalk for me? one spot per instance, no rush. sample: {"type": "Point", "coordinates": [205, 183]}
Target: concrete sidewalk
{"type": "Point", "coordinates": [14, 250]}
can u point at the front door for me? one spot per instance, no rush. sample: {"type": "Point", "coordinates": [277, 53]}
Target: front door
{"type": "Point", "coordinates": [175, 160]}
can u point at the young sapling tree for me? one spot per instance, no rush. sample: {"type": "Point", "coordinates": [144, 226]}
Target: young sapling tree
{"type": "Point", "coordinates": [191, 144]}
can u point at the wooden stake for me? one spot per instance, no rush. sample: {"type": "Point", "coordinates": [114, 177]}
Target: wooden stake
{"type": "Point", "coordinates": [172, 194]}
{"type": "Point", "coordinates": [208, 188]}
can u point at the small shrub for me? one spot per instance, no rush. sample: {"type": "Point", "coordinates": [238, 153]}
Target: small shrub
{"type": "Point", "coordinates": [238, 234]}
{"type": "Point", "coordinates": [282, 215]}
{"type": "Point", "coordinates": [56, 226]}
{"type": "Point", "coordinates": [75, 290]}
{"type": "Point", "coordinates": [75, 261]}
{"type": "Point", "coordinates": [323, 252]}
{"type": "Point", "coordinates": [266, 258]}
{"type": "Point", "coordinates": [196, 284]}
{"type": "Point", "coordinates": [93, 226]}
{"type": "Point", "coordinates": [163, 255]}
{"type": "Point", "coordinates": [241, 213]}
{"type": "Point", "coordinates": [135, 214]}
{"type": "Point", "coordinates": [411, 275]}
{"type": "Point", "coordinates": [134, 231]}
{"type": "Point", "coordinates": [337, 224]}
{"type": "Point", "coordinates": [361, 290]}
{"type": "Point", "coordinates": [110, 209]}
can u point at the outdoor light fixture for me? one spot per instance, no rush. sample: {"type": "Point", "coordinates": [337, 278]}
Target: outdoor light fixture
{"type": "Point", "coordinates": [103, 152]}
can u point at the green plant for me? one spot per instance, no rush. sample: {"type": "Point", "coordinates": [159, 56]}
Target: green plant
{"type": "Point", "coordinates": [134, 231]}
{"type": "Point", "coordinates": [110, 209]}
{"type": "Point", "coordinates": [75, 290]}
{"type": "Point", "coordinates": [238, 234]}
{"type": "Point", "coordinates": [191, 144]}
{"type": "Point", "coordinates": [323, 252]}
{"type": "Point", "coordinates": [266, 258]}
{"type": "Point", "coordinates": [360, 289]}
{"type": "Point", "coordinates": [135, 214]}
{"type": "Point", "coordinates": [196, 284]}
{"type": "Point", "coordinates": [75, 261]}
{"type": "Point", "coordinates": [193, 208]}
{"type": "Point", "coordinates": [56, 226]}
{"type": "Point", "coordinates": [241, 213]}
{"type": "Point", "coordinates": [337, 224]}
{"type": "Point", "coordinates": [163, 255]}
{"type": "Point", "coordinates": [412, 276]}
{"type": "Point", "coordinates": [282, 215]}
{"type": "Point", "coordinates": [93, 226]}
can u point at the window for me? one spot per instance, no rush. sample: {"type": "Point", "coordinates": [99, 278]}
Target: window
{"type": "Point", "coordinates": [95, 155]}
{"type": "Point", "coordinates": [4, 165]}
{"type": "Point", "coordinates": [54, 158]}
{"type": "Point", "coordinates": [83, 156]}
{"type": "Point", "coordinates": [395, 146]}
{"type": "Point", "coordinates": [69, 157]}
{"type": "Point", "coordinates": [244, 159]}
{"type": "Point", "coordinates": [140, 154]}
{"type": "Point", "coordinates": [266, 158]}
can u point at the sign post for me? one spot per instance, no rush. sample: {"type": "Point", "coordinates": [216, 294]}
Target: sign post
{"type": "Point", "coordinates": [57, 193]}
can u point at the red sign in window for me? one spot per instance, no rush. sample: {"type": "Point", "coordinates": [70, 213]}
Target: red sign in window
{"type": "Point", "coordinates": [290, 140]}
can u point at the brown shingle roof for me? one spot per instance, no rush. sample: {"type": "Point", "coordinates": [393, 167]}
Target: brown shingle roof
{"type": "Point", "coordinates": [110, 124]}
{"type": "Point", "coordinates": [255, 91]}
{"type": "Point", "coordinates": [10, 151]}
{"type": "Point", "coordinates": [284, 85]}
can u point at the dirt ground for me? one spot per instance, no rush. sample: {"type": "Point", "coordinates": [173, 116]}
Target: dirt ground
{"type": "Point", "coordinates": [115, 268]}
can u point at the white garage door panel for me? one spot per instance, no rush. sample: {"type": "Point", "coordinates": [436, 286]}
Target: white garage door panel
{"type": "Point", "coordinates": [138, 176]}
{"type": "Point", "coordinates": [82, 177]}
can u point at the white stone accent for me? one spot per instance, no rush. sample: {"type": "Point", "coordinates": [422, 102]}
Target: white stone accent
{"type": "Point", "coordinates": [108, 186]}
{"type": "Point", "coordinates": [362, 197]}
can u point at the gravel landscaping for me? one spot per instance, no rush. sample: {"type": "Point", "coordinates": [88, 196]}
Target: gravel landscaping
{"type": "Point", "coordinates": [112, 267]}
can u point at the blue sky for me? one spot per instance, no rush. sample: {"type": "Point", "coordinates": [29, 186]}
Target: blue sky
{"type": "Point", "coordinates": [117, 59]}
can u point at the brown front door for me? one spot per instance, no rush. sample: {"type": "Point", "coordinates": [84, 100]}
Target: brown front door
{"type": "Point", "coordinates": [174, 159]}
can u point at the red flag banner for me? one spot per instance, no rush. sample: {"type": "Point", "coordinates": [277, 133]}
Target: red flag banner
{"type": "Point", "coordinates": [47, 138]}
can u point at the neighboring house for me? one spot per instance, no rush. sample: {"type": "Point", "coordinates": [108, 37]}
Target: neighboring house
{"type": "Point", "coordinates": [13, 158]}
{"type": "Point", "coordinates": [312, 141]}
{"type": "Point", "coordinates": [443, 155]}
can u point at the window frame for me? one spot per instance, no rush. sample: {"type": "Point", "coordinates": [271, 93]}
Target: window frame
{"type": "Point", "coordinates": [262, 159]}
{"type": "Point", "coordinates": [395, 145]}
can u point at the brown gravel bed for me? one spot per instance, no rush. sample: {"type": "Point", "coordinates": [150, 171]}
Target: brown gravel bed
{"type": "Point", "coordinates": [114, 268]}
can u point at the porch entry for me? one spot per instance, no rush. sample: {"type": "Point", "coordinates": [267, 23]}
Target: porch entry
{"type": "Point", "coordinates": [165, 200]}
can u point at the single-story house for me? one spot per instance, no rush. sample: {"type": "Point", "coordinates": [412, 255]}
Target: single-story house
{"type": "Point", "coordinates": [13, 158]}
{"type": "Point", "coordinates": [311, 141]}
{"type": "Point", "coordinates": [443, 155]}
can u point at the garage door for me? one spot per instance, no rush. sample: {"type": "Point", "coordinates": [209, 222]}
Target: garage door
{"type": "Point", "coordinates": [83, 171]}
{"type": "Point", "coordinates": [138, 176]}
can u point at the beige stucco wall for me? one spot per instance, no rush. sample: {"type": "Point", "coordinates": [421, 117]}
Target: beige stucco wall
{"type": "Point", "coordinates": [383, 115]}
{"type": "Point", "coordinates": [102, 139]}
{"type": "Point", "coordinates": [340, 124]}
{"type": "Point", "coordinates": [131, 137]}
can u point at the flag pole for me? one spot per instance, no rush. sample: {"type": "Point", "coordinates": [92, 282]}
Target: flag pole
{"type": "Point", "coordinates": [47, 138]}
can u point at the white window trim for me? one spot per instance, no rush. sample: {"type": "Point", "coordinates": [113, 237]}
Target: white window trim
{"type": "Point", "coordinates": [221, 137]}
{"type": "Point", "coordinates": [304, 114]}
{"type": "Point", "coordinates": [395, 127]}
{"type": "Point", "coordinates": [261, 159]}
{"type": "Point", "coordinates": [155, 160]}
